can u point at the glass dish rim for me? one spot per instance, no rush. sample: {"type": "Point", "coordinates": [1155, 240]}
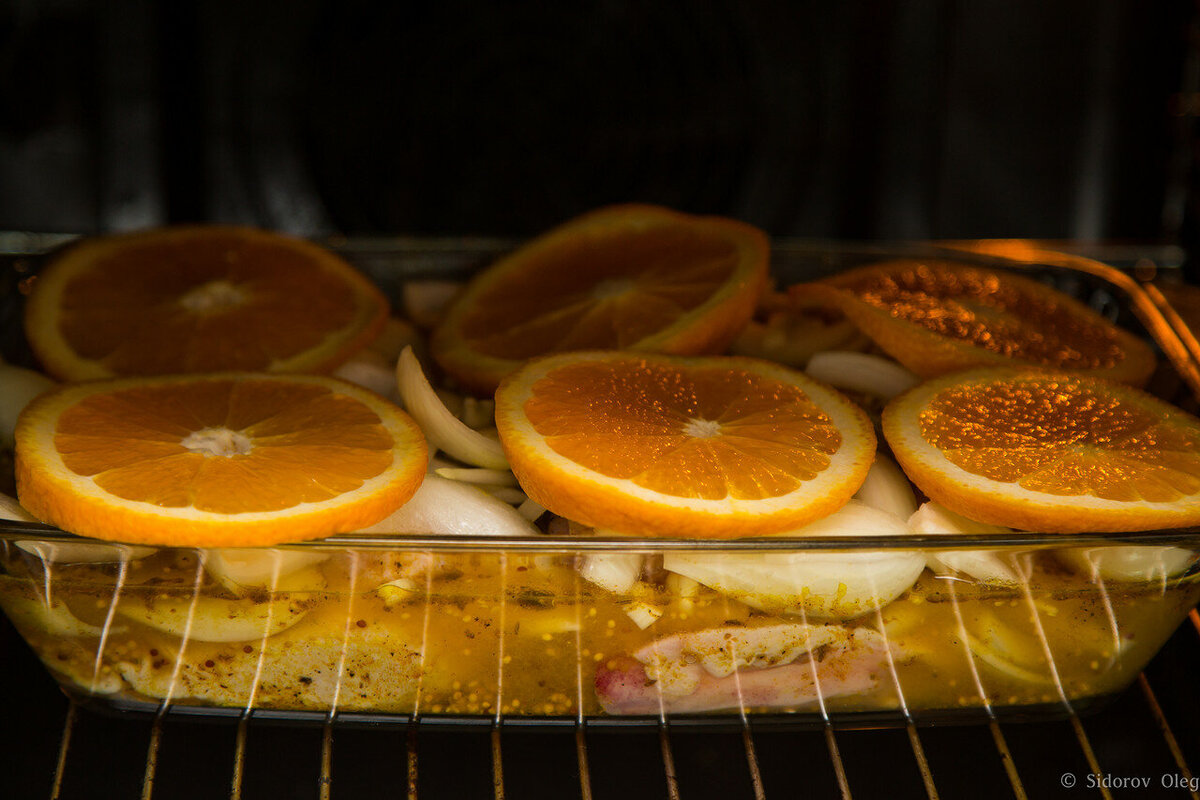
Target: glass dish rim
{"type": "Point", "coordinates": [39, 533]}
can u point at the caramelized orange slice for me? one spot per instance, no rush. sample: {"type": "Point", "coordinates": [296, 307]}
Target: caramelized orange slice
{"type": "Point", "coordinates": [223, 460]}
{"type": "Point", "coordinates": [199, 299]}
{"type": "Point", "coordinates": [940, 316]}
{"type": "Point", "coordinates": [1056, 452]}
{"type": "Point", "coordinates": [691, 447]}
{"type": "Point", "coordinates": [632, 277]}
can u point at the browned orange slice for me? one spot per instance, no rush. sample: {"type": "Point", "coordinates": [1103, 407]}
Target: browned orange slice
{"type": "Point", "coordinates": [940, 316]}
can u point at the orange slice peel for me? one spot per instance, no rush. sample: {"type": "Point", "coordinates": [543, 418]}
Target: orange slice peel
{"type": "Point", "coordinates": [633, 277]}
{"type": "Point", "coordinates": [202, 298]}
{"type": "Point", "coordinates": [221, 460]}
{"type": "Point", "coordinates": [936, 317]}
{"type": "Point", "coordinates": [653, 445]}
{"type": "Point", "coordinates": [1048, 452]}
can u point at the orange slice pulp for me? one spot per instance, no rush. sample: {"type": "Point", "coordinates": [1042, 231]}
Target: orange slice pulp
{"type": "Point", "coordinates": [632, 277]}
{"type": "Point", "coordinates": [668, 446]}
{"type": "Point", "coordinates": [199, 299]}
{"type": "Point", "coordinates": [221, 460]}
{"type": "Point", "coordinates": [936, 317]}
{"type": "Point", "coordinates": [1050, 452]}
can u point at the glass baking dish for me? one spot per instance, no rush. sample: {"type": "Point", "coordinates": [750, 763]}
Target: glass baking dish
{"type": "Point", "coordinates": [848, 630]}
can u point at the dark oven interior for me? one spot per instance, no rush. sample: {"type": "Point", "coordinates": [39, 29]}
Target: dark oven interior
{"type": "Point", "coordinates": [946, 119]}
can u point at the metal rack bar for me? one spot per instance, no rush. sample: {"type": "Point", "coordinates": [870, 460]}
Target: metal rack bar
{"type": "Point", "coordinates": [239, 759]}
{"type": "Point", "coordinates": [152, 756]}
{"type": "Point", "coordinates": [325, 782]}
{"type": "Point", "coordinates": [1168, 736]}
{"type": "Point", "coordinates": [63, 745]}
{"type": "Point", "coordinates": [497, 763]}
{"type": "Point", "coordinates": [1088, 752]}
{"type": "Point", "coordinates": [922, 761]}
{"type": "Point", "coordinates": [752, 761]}
{"type": "Point", "coordinates": [585, 775]}
{"type": "Point", "coordinates": [839, 768]}
{"type": "Point", "coordinates": [1010, 766]}
{"type": "Point", "coordinates": [668, 758]}
{"type": "Point", "coordinates": [410, 745]}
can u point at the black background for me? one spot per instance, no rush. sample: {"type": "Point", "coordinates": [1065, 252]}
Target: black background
{"type": "Point", "coordinates": [1072, 119]}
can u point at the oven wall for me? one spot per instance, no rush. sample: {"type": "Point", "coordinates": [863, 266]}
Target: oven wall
{"type": "Point", "coordinates": [934, 119]}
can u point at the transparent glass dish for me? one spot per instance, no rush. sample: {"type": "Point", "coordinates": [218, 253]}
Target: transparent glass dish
{"type": "Point", "coordinates": [851, 630]}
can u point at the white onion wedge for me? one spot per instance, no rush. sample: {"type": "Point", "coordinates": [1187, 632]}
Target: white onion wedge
{"type": "Point", "coordinates": [17, 387]}
{"type": "Point", "coordinates": [490, 477]}
{"type": "Point", "coordinates": [260, 567]}
{"type": "Point", "coordinates": [887, 488]}
{"type": "Point", "coordinates": [370, 370]}
{"type": "Point", "coordinates": [643, 613]}
{"type": "Point", "coordinates": [452, 508]}
{"type": "Point", "coordinates": [531, 510]}
{"type": "Point", "coordinates": [53, 618]}
{"type": "Point", "coordinates": [988, 566]}
{"type": "Point", "coordinates": [11, 509]}
{"type": "Point", "coordinates": [861, 372]}
{"type": "Point", "coordinates": [822, 585]}
{"type": "Point", "coordinates": [214, 619]}
{"type": "Point", "coordinates": [1128, 562]}
{"type": "Point", "coordinates": [444, 431]}
{"type": "Point", "coordinates": [616, 572]}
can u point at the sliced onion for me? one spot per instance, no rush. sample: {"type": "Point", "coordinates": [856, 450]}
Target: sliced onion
{"type": "Point", "coordinates": [531, 510]}
{"type": "Point", "coordinates": [821, 585]}
{"type": "Point", "coordinates": [861, 372]}
{"type": "Point", "coordinates": [53, 618]}
{"type": "Point", "coordinates": [214, 619]}
{"type": "Point", "coordinates": [370, 370]}
{"type": "Point", "coordinates": [286, 570]}
{"type": "Point", "coordinates": [643, 613]}
{"type": "Point", "coordinates": [11, 509]}
{"type": "Point", "coordinates": [452, 508]}
{"type": "Point", "coordinates": [1128, 562]}
{"type": "Point", "coordinates": [988, 566]}
{"type": "Point", "coordinates": [887, 489]}
{"type": "Point", "coordinates": [510, 495]}
{"type": "Point", "coordinates": [443, 430]}
{"type": "Point", "coordinates": [17, 387]}
{"type": "Point", "coordinates": [616, 572]}
{"type": "Point", "coordinates": [491, 477]}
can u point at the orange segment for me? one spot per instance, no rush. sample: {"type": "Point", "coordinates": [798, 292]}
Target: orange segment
{"type": "Point", "coordinates": [668, 446]}
{"type": "Point", "coordinates": [199, 299]}
{"type": "Point", "coordinates": [1048, 451]}
{"type": "Point", "coordinates": [940, 316]}
{"type": "Point", "coordinates": [229, 459]}
{"type": "Point", "coordinates": [631, 277]}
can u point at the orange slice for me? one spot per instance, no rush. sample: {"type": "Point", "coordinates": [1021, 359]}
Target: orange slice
{"type": "Point", "coordinates": [1048, 452]}
{"type": "Point", "coordinates": [669, 446]}
{"type": "Point", "coordinates": [222, 460]}
{"type": "Point", "coordinates": [199, 299]}
{"type": "Point", "coordinates": [936, 317]}
{"type": "Point", "coordinates": [632, 277]}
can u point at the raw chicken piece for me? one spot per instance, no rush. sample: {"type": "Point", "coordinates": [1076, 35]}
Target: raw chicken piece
{"type": "Point", "coordinates": [775, 666]}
